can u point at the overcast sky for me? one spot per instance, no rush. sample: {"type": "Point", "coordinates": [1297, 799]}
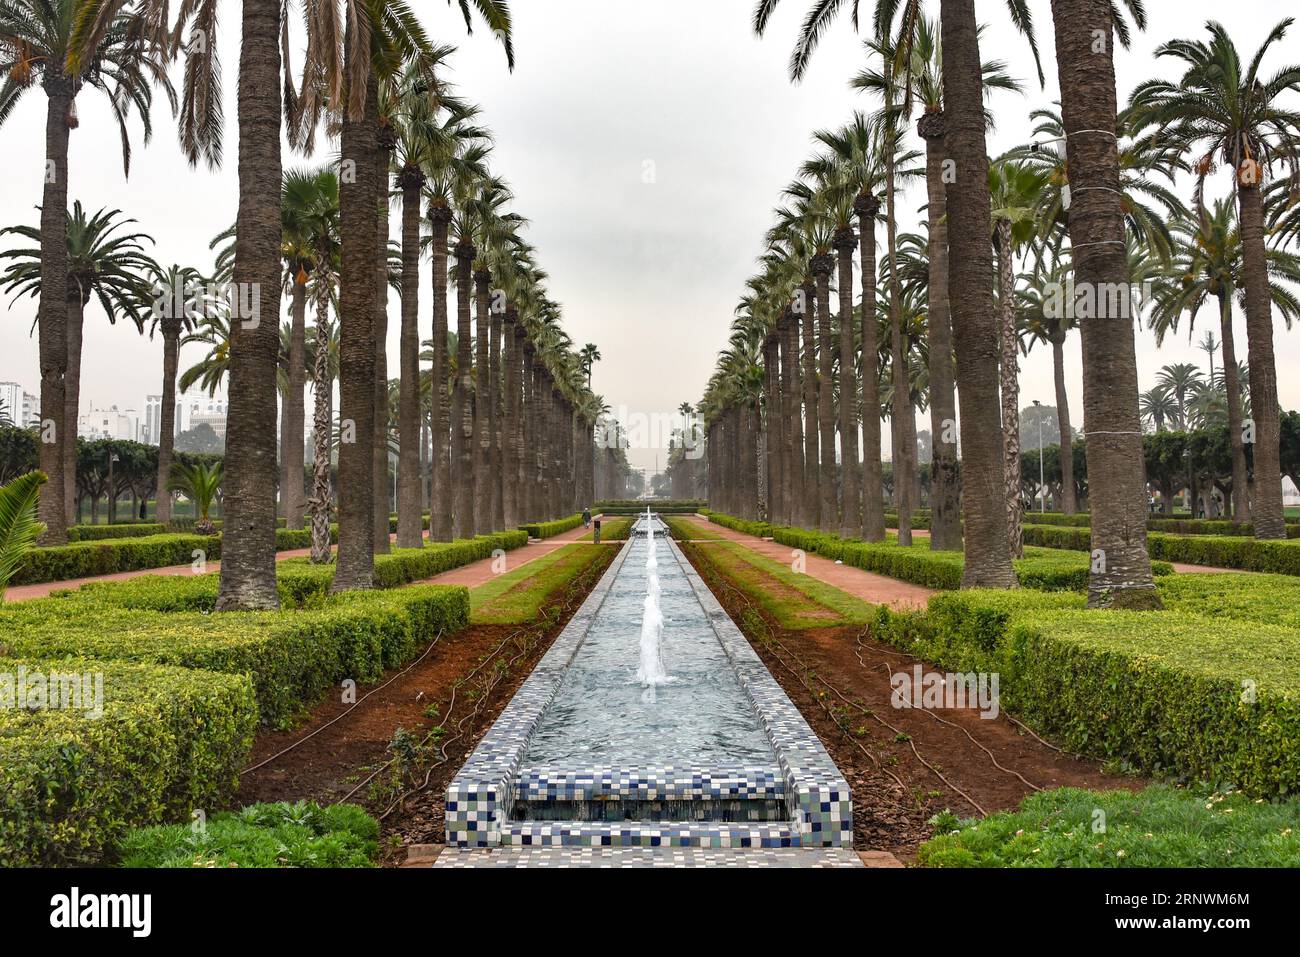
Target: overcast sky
{"type": "Point", "coordinates": [646, 143]}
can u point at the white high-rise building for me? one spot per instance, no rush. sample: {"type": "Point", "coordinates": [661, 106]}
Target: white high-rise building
{"type": "Point", "coordinates": [110, 423]}
{"type": "Point", "coordinates": [22, 408]}
{"type": "Point", "coordinates": [195, 407]}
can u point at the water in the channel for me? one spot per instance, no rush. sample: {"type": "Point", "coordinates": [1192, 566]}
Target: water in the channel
{"type": "Point", "coordinates": [695, 712]}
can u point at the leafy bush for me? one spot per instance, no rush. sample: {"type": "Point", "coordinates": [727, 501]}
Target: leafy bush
{"type": "Point", "coordinates": [292, 657]}
{"type": "Point", "coordinates": [261, 835]}
{"type": "Point", "coordinates": [94, 533]}
{"type": "Point", "coordinates": [1167, 691]}
{"type": "Point", "coordinates": [1222, 551]}
{"type": "Point", "coordinates": [84, 559]}
{"type": "Point", "coordinates": [1160, 826]}
{"type": "Point", "coordinates": [1040, 568]}
{"type": "Point", "coordinates": [170, 739]}
{"type": "Point", "coordinates": [556, 527]}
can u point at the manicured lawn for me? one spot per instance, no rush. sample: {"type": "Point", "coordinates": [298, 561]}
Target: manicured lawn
{"type": "Point", "coordinates": [1161, 826]}
{"type": "Point", "coordinates": [519, 595]}
{"type": "Point", "coordinates": [796, 601]}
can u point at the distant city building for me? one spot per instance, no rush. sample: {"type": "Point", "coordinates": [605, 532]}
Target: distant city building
{"type": "Point", "coordinates": [110, 423]}
{"type": "Point", "coordinates": [194, 407]}
{"type": "Point", "coordinates": [22, 408]}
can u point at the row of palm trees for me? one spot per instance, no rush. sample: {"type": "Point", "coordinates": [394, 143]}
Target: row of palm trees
{"type": "Point", "coordinates": [515, 430]}
{"type": "Point", "coordinates": [1086, 208]}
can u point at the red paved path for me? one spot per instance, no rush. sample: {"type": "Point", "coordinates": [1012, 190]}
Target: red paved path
{"type": "Point", "coordinates": [879, 589]}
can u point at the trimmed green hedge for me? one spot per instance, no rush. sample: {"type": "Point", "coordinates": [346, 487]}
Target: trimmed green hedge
{"type": "Point", "coordinates": [640, 505]}
{"type": "Point", "coordinates": [169, 740]}
{"type": "Point", "coordinates": [1169, 692]}
{"type": "Point", "coordinates": [84, 559]}
{"type": "Point", "coordinates": [556, 527]}
{"type": "Point", "coordinates": [94, 533]}
{"type": "Point", "coordinates": [758, 529]}
{"type": "Point", "coordinates": [1041, 568]}
{"type": "Point", "coordinates": [1157, 523]}
{"type": "Point", "coordinates": [292, 657]}
{"type": "Point", "coordinates": [262, 835]}
{"type": "Point", "coordinates": [1222, 551]}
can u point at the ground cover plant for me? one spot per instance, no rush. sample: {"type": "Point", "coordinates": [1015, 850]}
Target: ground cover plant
{"type": "Point", "coordinates": [1160, 826]}
{"type": "Point", "coordinates": [281, 834]}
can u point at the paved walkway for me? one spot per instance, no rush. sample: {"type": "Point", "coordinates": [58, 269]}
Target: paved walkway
{"type": "Point", "coordinates": [482, 571]}
{"type": "Point", "coordinates": [470, 575]}
{"type": "Point", "coordinates": [878, 589]}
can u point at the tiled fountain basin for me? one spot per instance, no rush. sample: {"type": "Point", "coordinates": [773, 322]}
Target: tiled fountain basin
{"type": "Point", "coordinates": [798, 799]}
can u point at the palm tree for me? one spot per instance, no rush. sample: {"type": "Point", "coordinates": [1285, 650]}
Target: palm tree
{"type": "Point", "coordinates": [200, 483]}
{"type": "Point", "coordinates": [1117, 487]}
{"type": "Point", "coordinates": [1158, 407]}
{"type": "Point", "coordinates": [36, 43]}
{"type": "Point", "coordinates": [1042, 322]}
{"type": "Point", "coordinates": [1182, 380]}
{"type": "Point", "coordinates": [18, 525]}
{"type": "Point", "coordinates": [1015, 189]}
{"type": "Point", "coordinates": [924, 68]}
{"type": "Point", "coordinates": [183, 305]}
{"type": "Point", "coordinates": [1223, 109]}
{"type": "Point", "coordinates": [590, 355]}
{"type": "Point", "coordinates": [102, 263]}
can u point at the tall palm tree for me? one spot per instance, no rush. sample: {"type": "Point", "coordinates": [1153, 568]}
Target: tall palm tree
{"type": "Point", "coordinates": [102, 263]}
{"type": "Point", "coordinates": [36, 46]}
{"type": "Point", "coordinates": [185, 304]}
{"type": "Point", "coordinates": [1015, 189]}
{"type": "Point", "coordinates": [924, 68]}
{"type": "Point", "coordinates": [1121, 577]}
{"type": "Point", "coordinates": [1044, 322]}
{"type": "Point", "coordinates": [1223, 109]}
{"type": "Point", "coordinates": [1157, 406]}
{"type": "Point", "coordinates": [590, 355]}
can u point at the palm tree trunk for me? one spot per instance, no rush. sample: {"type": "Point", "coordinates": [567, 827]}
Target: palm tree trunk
{"type": "Point", "coordinates": [1007, 365]}
{"type": "Point", "coordinates": [380, 491]}
{"type": "Point", "coordinates": [988, 559]}
{"type": "Point", "coordinates": [510, 419]}
{"type": "Point", "coordinates": [462, 409]}
{"type": "Point", "coordinates": [821, 265]}
{"type": "Point", "coordinates": [1066, 439]}
{"type": "Point", "coordinates": [527, 433]}
{"type": "Point", "coordinates": [294, 426]}
{"type": "Point", "coordinates": [72, 396]}
{"type": "Point", "coordinates": [793, 435]}
{"type": "Point", "coordinates": [901, 420]}
{"type": "Point", "coordinates": [318, 506]}
{"type": "Point", "coordinates": [810, 502]}
{"type": "Point", "coordinates": [482, 403]}
{"type": "Point", "coordinates": [945, 488]}
{"type": "Point", "coordinates": [248, 533]}
{"type": "Point", "coordinates": [167, 420]}
{"type": "Point", "coordinates": [409, 487]}
{"type": "Point", "coordinates": [873, 476]}
{"type": "Point", "coordinates": [358, 302]}
{"type": "Point", "coordinates": [851, 491]}
{"type": "Point", "coordinates": [52, 312]}
{"type": "Point", "coordinates": [773, 420]}
{"type": "Point", "coordinates": [440, 524]}
{"type": "Point", "coordinates": [1266, 510]}
{"type": "Point", "coordinates": [496, 478]}
{"type": "Point", "coordinates": [1231, 385]}
{"type": "Point", "coordinates": [1121, 569]}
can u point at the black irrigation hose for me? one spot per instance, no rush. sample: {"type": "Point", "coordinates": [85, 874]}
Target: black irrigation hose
{"type": "Point", "coordinates": [867, 711]}
{"type": "Point", "coordinates": [952, 724]}
{"type": "Point", "coordinates": [339, 717]}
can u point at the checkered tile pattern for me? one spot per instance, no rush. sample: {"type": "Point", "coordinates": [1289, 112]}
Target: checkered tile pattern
{"type": "Point", "coordinates": [632, 834]}
{"type": "Point", "coordinates": [803, 774]}
{"type": "Point", "coordinates": [643, 857]}
{"type": "Point", "coordinates": [650, 784]}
